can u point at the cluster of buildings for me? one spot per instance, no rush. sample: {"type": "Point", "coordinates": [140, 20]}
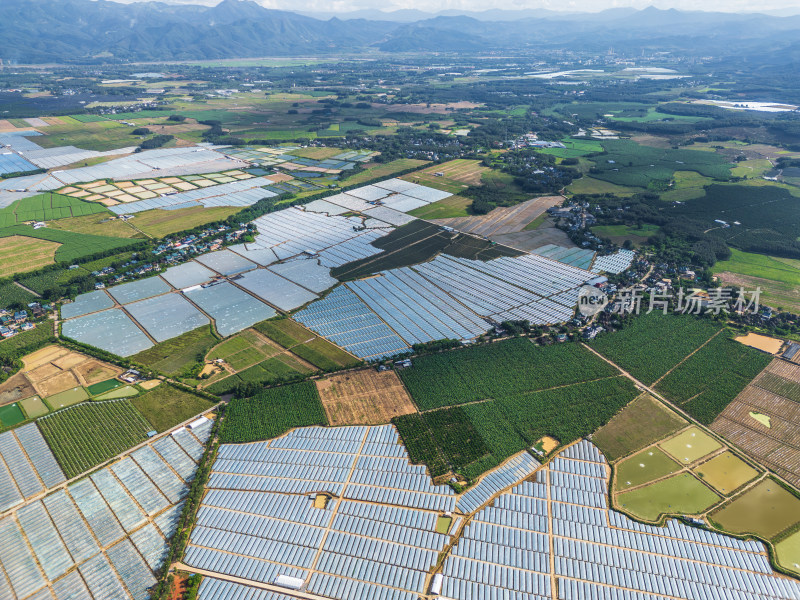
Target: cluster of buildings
{"type": "Point", "coordinates": [13, 322]}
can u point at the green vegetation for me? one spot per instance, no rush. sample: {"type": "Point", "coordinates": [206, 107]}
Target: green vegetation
{"type": "Point", "coordinates": [686, 185]}
{"type": "Point", "coordinates": [496, 370]}
{"type": "Point", "coordinates": [782, 270]}
{"type": "Point", "coordinates": [641, 423]}
{"type": "Point", "coordinates": [575, 147]}
{"type": "Point", "coordinates": [726, 472]}
{"type": "Point", "coordinates": [91, 433]}
{"type": "Point", "coordinates": [780, 386]}
{"type": "Point", "coordinates": [510, 423]}
{"type": "Point", "coordinates": [690, 445]}
{"type": "Point", "coordinates": [647, 465]}
{"type": "Point", "coordinates": [272, 412]}
{"type": "Point", "coordinates": [126, 391]}
{"type": "Point", "coordinates": [66, 398]}
{"type": "Point", "coordinates": [33, 407]}
{"type": "Point", "coordinates": [702, 387]}
{"type": "Point", "coordinates": [47, 207]}
{"type": "Point", "coordinates": [304, 343]}
{"type": "Point", "coordinates": [103, 386]}
{"type": "Point", "coordinates": [625, 162]}
{"type": "Point", "coordinates": [653, 344]}
{"type": "Point", "coordinates": [166, 406]}
{"type": "Point", "coordinates": [454, 206]}
{"type": "Point", "coordinates": [73, 245]}
{"type": "Point", "coordinates": [680, 494]}
{"type": "Point", "coordinates": [788, 552]}
{"type": "Point", "coordinates": [765, 510]}
{"type": "Point", "coordinates": [10, 415]}
{"type": "Point", "coordinates": [26, 342]}
{"type": "Point", "coordinates": [180, 356]}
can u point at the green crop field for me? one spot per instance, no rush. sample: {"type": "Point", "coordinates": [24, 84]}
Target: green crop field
{"type": "Point", "coordinates": [788, 552]}
{"type": "Point", "coordinates": [103, 387]}
{"type": "Point", "coordinates": [272, 412]}
{"type": "Point", "coordinates": [84, 436]}
{"type": "Point", "coordinates": [179, 354]}
{"type": "Point", "coordinates": [680, 494]}
{"type": "Point", "coordinates": [67, 398]}
{"type": "Point", "coordinates": [500, 369]}
{"type": "Point", "coordinates": [625, 162]}
{"type": "Point", "coordinates": [687, 185]}
{"type": "Point", "coordinates": [765, 510]}
{"type": "Point", "coordinates": [165, 406]}
{"type": "Point", "coordinates": [454, 206]}
{"type": "Point", "coordinates": [13, 294]}
{"type": "Point", "coordinates": [783, 270]}
{"type": "Point", "coordinates": [10, 415]}
{"type": "Point", "coordinates": [126, 391]}
{"type": "Point", "coordinates": [574, 148]}
{"type": "Point", "coordinates": [48, 207]}
{"type": "Point", "coordinates": [653, 344]}
{"type": "Point", "coordinates": [641, 423]}
{"type": "Point", "coordinates": [33, 407]}
{"type": "Point", "coordinates": [702, 388]}
{"type": "Point", "coordinates": [647, 465]}
{"type": "Point", "coordinates": [690, 445]}
{"type": "Point", "coordinates": [584, 393]}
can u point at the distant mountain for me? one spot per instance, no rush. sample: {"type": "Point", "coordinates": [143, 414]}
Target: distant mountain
{"type": "Point", "coordinates": [79, 31]}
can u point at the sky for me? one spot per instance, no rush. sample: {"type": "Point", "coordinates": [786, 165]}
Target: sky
{"type": "Point", "coordinates": [331, 6]}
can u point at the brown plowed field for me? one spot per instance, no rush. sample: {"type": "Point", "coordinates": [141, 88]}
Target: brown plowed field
{"type": "Point", "coordinates": [364, 397]}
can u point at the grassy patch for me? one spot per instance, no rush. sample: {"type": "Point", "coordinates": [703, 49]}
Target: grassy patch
{"type": "Point", "coordinates": [178, 354]}
{"type": "Point", "coordinates": [590, 185]}
{"type": "Point", "coordinates": [97, 224]}
{"type": "Point", "coordinates": [641, 423]}
{"type": "Point", "coordinates": [33, 407]}
{"type": "Point", "coordinates": [788, 552]}
{"type": "Point", "coordinates": [681, 494]}
{"type": "Point", "coordinates": [159, 223]}
{"type": "Point", "coordinates": [67, 398]}
{"type": "Point", "coordinates": [686, 185]}
{"type": "Point", "coordinates": [782, 270]}
{"type": "Point", "coordinates": [454, 206]}
{"type": "Point", "coordinates": [19, 254]}
{"type": "Point", "coordinates": [165, 406]}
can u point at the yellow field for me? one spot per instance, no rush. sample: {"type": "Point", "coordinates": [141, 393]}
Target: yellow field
{"type": "Point", "coordinates": [158, 223]}
{"type": "Point", "coordinates": [19, 254]}
{"type": "Point", "coordinates": [98, 224]}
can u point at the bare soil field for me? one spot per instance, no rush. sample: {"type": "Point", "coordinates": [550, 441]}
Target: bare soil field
{"type": "Point", "coordinates": [364, 397]}
{"type": "Point", "coordinates": [55, 369]}
{"type": "Point", "coordinates": [764, 420]}
{"type": "Point", "coordinates": [15, 388]}
{"type": "Point", "coordinates": [761, 342]}
{"type": "Point", "coordinates": [504, 220]}
{"type": "Point", "coordinates": [94, 371]}
{"type": "Point", "coordinates": [63, 381]}
{"type": "Point", "coordinates": [773, 293]}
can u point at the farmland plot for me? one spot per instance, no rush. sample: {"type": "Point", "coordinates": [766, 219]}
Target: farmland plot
{"type": "Point", "coordinates": [364, 397]}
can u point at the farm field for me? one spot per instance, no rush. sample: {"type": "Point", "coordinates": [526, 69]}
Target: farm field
{"type": "Point", "coordinates": [158, 223]}
{"type": "Point", "coordinates": [627, 163]}
{"type": "Point", "coordinates": [26, 341]}
{"type": "Point", "coordinates": [165, 406]}
{"type": "Point", "coordinates": [764, 510]}
{"type": "Point", "coordinates": [19, 254]}
{"type": "Point", "coordinates": [515, 420]}
{"type": "Point", "coordinates": [85, 436]}
{"type": "Point", "coordinates": [690, 445]}
{"type": "Point", "coordinates": [633, 350]}
{"type": "Point", "coordinates": [641, 423]}
{"type": "Point", "coordinates": [619, 233]}
{"type": "Point", "coordinates": [788, 552]}
{"type": "Point", "coordinates": [306, 344]}
{"type": "Point", "coordinates": [456, 176]}
{"type": "Point", "coordinates": [777, 277]}
{"type": "Point", "coordinates": [10, 415]}
{"type": "Point", "coordinates": [383, 170]}
{"type": "Point", "coordinates": [726, 472]}
{"type": "Point", "coordinates": [48, 207]}
{"type": "Point", "coordinates": [452, 207]}
{"type": "Point", "coordinates": [643, 467]}
{"type": "Point", "coordinates": [72, 245]}
{"type": "Point", "coordinates": [470, 374]}
{"type": "Point", "coordinates": [502, 220]}
{"type": "Point", "coordinates": [364, 397]}
{"type": "Point", "coordinates": [574, 148]}
{"type": "Point", "coordinates": [680, 494]}
{"type": "Point", "coordinates": [33, 407]}
{"type": "Point", "coordinates": [272, 412]}
{"type": "Point", "coordinates": [686, 185]}
{"type": "Point", "coordinates": [763, 420]}
{"type": "Point", "coordinates": [97, 224]}
{"type": "Point", "coordinates": [180, 354]}
{"type": "Point", "coordinates": [701, 388]}
{"type": "Point", "coordinates": [590, 185]}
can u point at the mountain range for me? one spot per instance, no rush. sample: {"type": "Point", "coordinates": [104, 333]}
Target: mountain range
{"type": "Point", "coordinates": [79, 31]}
